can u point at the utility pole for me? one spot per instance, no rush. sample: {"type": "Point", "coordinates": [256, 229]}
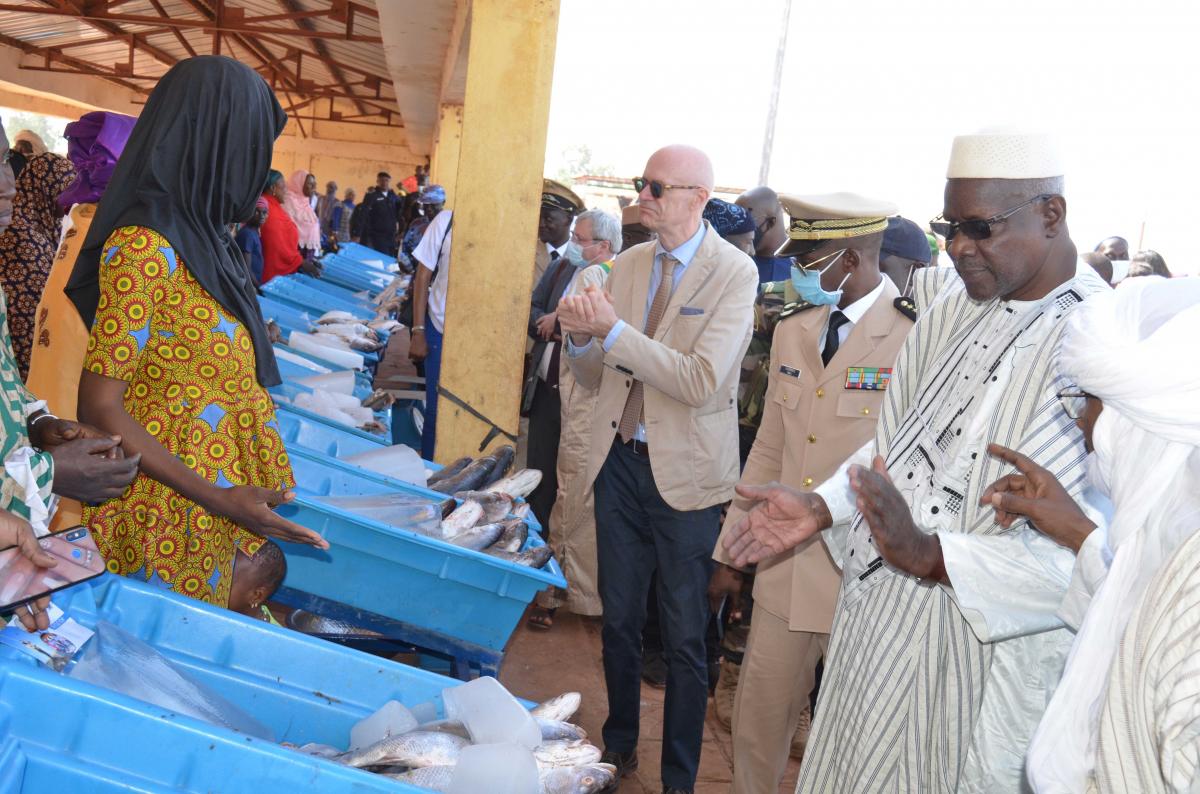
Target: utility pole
{"type": "Point", "coordinates": [769, 135]}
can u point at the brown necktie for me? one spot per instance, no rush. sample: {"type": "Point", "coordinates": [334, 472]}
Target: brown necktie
{"type": "Point", "coordinates": [633, 404]}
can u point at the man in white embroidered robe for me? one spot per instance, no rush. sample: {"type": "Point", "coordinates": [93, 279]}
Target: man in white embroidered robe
{"type": "Point", "coordinates": [946, 644]}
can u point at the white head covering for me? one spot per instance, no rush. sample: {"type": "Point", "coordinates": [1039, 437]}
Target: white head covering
{"type": "Point", "coordinates": [1004, 155]}
{"type": "Point", "coordinates": [1134, 348]}
{"type": "Point", "coordinates": [35, 140]}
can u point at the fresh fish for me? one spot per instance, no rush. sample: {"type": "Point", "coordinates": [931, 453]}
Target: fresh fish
{"type": "Point", "coordinates": [559, 708]}
{"type": "Point", "coordinates": [504, 461]}
{"type": "Point", "coordinates": [311, 623]}
{"type": "Point", "coordinates": [522, 510]}
{"type": "Point", "coordinates": [434, 778]}
{"type": "Point", "coordinates": [537, 557]}
{"type": "Point", "coordinates": [495, 505]}
{"type": "Point", "coordinates": [555, 730]}
{"type": "Point", "coordinates": [565, 754]}
{"type": "Point", "coordinates": [465, 516]}
{"type": "Point", "coordinates": [471, 478]}
{"type": "Point", "coordinates": [582, 779]}
{"type": "Point", "coordinates": [336, 316]}
{"type": "Point", "coordinates": [364, 345]}
{"type": "Point", "coordinates": [449, 471]}
{"type": "Point", "coordinates": [415, 748]}
{"type": "Point", "coordinates": [314, 749]}
{"type": "Point", "coordinates": [515, 533]}
{"type": "Point", "coordinates": [520, 484]}
{"type": "Point", "coordinates": [446, 726]}
{"type": "Point", "coordinates": [477, 537]}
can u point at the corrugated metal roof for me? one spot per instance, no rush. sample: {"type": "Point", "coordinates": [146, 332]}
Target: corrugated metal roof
{"type": "Point", "coordinates": [332, 65]}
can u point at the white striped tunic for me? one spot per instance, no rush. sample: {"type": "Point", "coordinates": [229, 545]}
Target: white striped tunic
{"type": "Point", "coordinates": [1149, 738]}
{"type": "Point", "coordinates": [928, 688]}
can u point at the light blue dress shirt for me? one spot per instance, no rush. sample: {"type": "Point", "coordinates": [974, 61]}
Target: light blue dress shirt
{"type": "Point", "coordinates": [685, 253]}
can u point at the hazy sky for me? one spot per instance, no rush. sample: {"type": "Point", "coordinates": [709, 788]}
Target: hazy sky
{"type": "Point", "coordinates": [873, 92]}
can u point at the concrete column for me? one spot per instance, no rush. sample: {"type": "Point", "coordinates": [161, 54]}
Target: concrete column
{"type": "Point", "coordinates": [507, 106]}
{"type": "Point", "coordinates": [447, 147]}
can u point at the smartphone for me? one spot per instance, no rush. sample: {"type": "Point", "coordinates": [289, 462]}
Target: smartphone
{"type": "Point", "coordinates": [78, 561]}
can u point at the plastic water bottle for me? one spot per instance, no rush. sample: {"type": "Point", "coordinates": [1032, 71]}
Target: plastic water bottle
{"type": "Point", "coordinates": [491, 714]}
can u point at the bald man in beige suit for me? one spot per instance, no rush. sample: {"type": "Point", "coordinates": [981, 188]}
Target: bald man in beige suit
{"type": "Point", "coordinates": [831, 359]}
{"type": "Point", "coordinates": [664, 351]}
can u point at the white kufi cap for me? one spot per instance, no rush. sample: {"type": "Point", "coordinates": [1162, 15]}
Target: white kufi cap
{"type": "Point", "coordinates": [1004, 155]}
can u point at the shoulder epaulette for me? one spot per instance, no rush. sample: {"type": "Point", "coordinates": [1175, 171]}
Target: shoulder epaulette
{"type": "Point", "coordinates": [795, 308]}
{"type": "Point", "coordinates": [906, 307]}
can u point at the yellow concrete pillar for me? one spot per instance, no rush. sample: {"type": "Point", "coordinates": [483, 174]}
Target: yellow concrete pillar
{"type": "Point", "coordinates": [507, 106]}
{"type": "Point", "coordinates": [447, 147]}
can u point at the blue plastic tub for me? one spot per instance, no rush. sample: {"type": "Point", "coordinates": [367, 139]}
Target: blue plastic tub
{"type": "Point", "coordinates": [363, 253]}
{"type": "Point", "coordinates": [59, 734]}
{"type": "Point", "coordinates": [289, 291]}
{"type": "Point", "coordinates": [305, 430]}
{"type": "Point", "coordinates": [288, 317]}
{"type": "Point", "coordinates": [353, 275]}
{"type": "Point", "coordinates": [339, 293]}
{"type": "Point", "coordinates": [403, 575]}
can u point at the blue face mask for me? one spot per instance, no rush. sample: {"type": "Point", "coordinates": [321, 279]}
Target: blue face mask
{"type": "Point", "coordinates": [807, 283]}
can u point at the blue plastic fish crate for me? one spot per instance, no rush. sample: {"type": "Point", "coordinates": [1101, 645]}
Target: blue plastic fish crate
{"type": "Point", "coordinates": [363, 254]}
{"type": "Point", "coordinates": [305, 430]}
{"type": "Point", "coordinates": [403, 575]}
{"type": "Point", "coordinates": [288, 290]}
{"type": "Point", "coordinates": [339, 293]}
{"type": "Point", "coordinates": [353, 275]}
{"type": "Point", "coordinates": [60, 734]}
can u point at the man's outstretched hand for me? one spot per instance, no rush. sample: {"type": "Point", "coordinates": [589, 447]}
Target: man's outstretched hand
{"type": "Point", "coordinates": [1036, 494]}
{"type": "Point", "coordinates": [899, 541]}
{"type": "Point", "coordinates": [781, 519]}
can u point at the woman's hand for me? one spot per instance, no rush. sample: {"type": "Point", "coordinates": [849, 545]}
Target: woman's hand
{"type": "Point", "coordinates": [1037, 495]}
{"type": "Point", "coordinates": [251, 507]}
{"type": "Point", "coordinates": [15, 531]}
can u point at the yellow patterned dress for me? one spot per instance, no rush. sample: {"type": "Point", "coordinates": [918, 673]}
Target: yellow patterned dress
{"type": "Point", "coordinates": [190, 369]}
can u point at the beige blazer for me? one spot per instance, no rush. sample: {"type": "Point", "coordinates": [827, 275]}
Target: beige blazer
{"type": "Point", "coordinates": [690, 370]}
{"type": "Point", "coordinates": [811, 423]}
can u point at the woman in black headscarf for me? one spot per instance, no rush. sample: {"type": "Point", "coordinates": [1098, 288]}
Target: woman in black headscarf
{"type": "Point", "coordinates": [178, 357]}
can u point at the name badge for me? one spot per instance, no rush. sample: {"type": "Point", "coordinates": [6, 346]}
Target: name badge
{"type": "Point", "coordinates": [868, 378]}
{"type": "Point", "coordinates": [791, 372]}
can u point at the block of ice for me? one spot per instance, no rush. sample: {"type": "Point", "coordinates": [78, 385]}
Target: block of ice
{"type": "Point", "coordinates": [391, 720]}
{"type": "Point", "coordinates": [495, 768]}
{"type": "Point", "coordinates": [491, 714]}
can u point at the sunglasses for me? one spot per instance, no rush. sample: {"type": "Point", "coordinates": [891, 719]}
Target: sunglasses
{"type": "Point", "coordinates": [657, 188]}
{"type": "Point", "coordinates": [978, 230]}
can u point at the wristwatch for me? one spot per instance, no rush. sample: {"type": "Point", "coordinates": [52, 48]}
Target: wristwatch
{"type": "Point", "coordinates": [416, 328]}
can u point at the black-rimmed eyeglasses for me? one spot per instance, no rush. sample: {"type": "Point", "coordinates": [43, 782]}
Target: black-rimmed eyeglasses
{"type": "Point", "coordinates": [978, 229]}
{"type": "Point", "coordinates": [1074, 401]}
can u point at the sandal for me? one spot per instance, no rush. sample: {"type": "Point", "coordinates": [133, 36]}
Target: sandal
{"type": "Point", "coordinates": [541, 619]}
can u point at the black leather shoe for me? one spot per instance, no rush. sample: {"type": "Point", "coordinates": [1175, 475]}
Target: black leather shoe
{"type": "Point", "coordinates": [654, 671]}
{"type": "Point", "coordinates": [626, 764]}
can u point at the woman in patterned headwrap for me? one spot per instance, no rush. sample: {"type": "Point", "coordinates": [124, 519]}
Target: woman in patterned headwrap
{"type": "Point", "coordinates": [179, 357]}
{"type": "Point", "coordinates": [27, 246]}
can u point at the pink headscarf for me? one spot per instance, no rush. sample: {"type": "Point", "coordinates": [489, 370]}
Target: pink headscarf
{"type": "Point", "coordinates": [297, 207]}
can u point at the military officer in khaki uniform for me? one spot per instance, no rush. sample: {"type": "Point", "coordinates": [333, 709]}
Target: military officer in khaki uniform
{"type": "Point", "coordinates": [838, 336]}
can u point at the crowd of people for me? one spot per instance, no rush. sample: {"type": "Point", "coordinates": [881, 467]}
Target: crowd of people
{"type": "Point", "coordinates": [865, 465]}
{"type": "Point", "coordinates": [915, 503]}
